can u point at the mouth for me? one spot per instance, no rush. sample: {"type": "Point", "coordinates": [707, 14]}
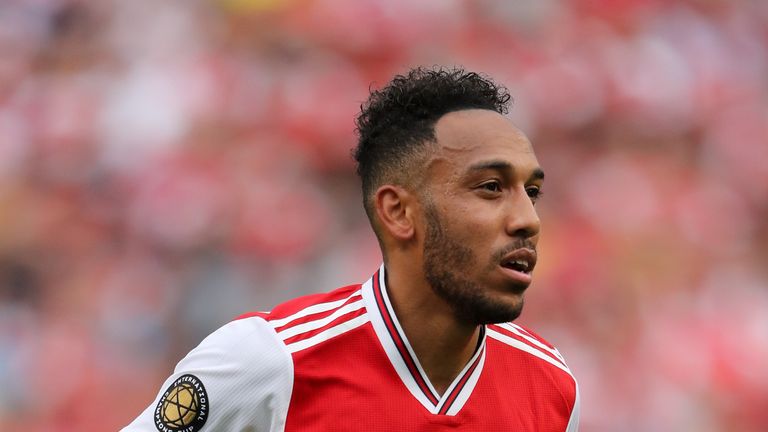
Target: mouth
{"type": "Point", "coordinates": [519, 264]}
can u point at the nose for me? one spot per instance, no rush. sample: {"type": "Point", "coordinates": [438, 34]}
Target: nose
{"type": "Point", "coordinates": [522, 220]}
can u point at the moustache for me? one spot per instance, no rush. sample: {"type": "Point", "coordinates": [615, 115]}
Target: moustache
{"type": "Point", "coordinates": [518, 244]}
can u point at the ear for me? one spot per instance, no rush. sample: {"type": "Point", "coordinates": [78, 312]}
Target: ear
{"type": "Point", "coordinates": [395, 210]}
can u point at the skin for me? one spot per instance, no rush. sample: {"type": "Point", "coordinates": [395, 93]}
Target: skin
{"type": "Point", "coordinates": [444, 237]}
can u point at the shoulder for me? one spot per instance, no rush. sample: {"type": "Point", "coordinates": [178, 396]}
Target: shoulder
{"type": "Point", "coordinates": [517, 338]}
{"type": "Point", "coordinates": [543, 364]}
{"type": "Point", "coordinates": [538, 363]}
{"type": "Point", "coordinates": [308, 304]}
{"type": "Point", "coordinates": [238, 344]}
{"type": "Point", "coordinates": [241, 376]}
{"type": "Point", "coordinates": [310, 320]}
{"type": "Point", "coordinates": [238, 377]}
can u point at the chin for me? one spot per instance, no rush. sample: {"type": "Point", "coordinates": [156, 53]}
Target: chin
{"type": "Point", "coordinates": [491, 310]}
{"type": "Point", "coordinates": [512, 312]}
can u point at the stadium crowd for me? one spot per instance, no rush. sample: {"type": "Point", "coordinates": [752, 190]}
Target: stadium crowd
{"type": "Point", "coordinates": [166, 166]}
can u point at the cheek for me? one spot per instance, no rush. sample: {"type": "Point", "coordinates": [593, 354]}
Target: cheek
{"type": "Point", "coordinates": [472, 227]}
{"type": "Point", "coordinates": [468, 219]}
{"type": "Point", "coordinates": [476, 212]}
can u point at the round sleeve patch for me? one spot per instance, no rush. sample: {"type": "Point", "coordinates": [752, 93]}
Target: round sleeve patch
{"type": "Point", "coordinates": [183, 407]}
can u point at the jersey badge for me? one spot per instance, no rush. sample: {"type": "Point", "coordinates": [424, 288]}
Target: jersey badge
{"type": "Point", "coordinates": [183, 407]}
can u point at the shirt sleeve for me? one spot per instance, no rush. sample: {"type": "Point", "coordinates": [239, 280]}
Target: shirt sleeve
{"type": "Point", "coordinates": [239, 378]}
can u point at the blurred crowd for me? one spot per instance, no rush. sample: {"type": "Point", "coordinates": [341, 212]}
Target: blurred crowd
{"type": "Point", "coordinates": [166, 166]}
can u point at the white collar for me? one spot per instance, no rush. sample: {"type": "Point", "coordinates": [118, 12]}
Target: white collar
{"type": "Point", "coordinates": [403, 358]}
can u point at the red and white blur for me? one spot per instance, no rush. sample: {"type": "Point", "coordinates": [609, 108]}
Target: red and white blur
{"type": "Point", "coordinates": [168, 165]}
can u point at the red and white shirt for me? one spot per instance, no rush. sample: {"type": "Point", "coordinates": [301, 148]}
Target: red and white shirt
{"type": "Point", "coordinates": [340, 362]}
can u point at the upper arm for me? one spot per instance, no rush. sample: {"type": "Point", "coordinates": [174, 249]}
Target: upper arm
{"type": "Point", "coordinates": [240, 376]}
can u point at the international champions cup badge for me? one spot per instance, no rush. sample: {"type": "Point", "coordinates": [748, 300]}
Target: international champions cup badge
{"type": "Point", "coordinates": [183, 407]}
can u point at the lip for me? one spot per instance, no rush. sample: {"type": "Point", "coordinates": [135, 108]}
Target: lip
{"type": "Point", "coordinates": [518, 276]}
{"type": "Point", "coordinates": [523, 278]}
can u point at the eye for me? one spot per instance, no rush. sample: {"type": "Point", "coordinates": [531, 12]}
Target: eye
{"type": "Point", "coordinates": [534, 192]}
{"type": "Point", "coordinates": [491, 186]}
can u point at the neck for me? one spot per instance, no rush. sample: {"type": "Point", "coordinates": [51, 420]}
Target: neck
{"type": "Point", "coordinates": [442, 344]}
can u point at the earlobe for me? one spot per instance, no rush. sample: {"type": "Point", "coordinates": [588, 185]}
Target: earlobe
{"type": "Point", "coordinates": [393, 208]}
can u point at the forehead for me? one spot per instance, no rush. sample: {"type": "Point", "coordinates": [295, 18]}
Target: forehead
{"type": "Point", "coordinates": [466, 138]}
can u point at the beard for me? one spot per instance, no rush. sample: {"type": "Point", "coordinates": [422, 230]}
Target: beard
{"type": "Point", "coordinates": [447, 264]}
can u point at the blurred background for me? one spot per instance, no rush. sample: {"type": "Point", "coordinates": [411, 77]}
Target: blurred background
{"type": "Point", "coordinates": [166, 166]}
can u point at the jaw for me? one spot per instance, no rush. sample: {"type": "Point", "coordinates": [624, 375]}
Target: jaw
{"type": "Point", "coordinates": [476, 304]}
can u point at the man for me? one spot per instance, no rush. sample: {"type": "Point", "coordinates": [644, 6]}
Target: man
{"type": "Point", "coordinates": [426, 344]}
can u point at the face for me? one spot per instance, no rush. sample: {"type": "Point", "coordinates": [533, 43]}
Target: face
{"type": "Point", "coordinates": [481, 227]}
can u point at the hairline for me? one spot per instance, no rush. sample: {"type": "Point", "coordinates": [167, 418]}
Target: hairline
{"type": "Point", "coordinates": [421, 152]}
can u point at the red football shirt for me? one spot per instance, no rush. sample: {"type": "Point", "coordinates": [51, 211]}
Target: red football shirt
{"type": "Point", "coordinates": [341, 362]}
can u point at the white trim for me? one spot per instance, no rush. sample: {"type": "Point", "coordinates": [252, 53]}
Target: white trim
{"type": "Point", "coordinates": [516, 329]}
{"type": "Point", "coordinates": [318, 323]}
{"type": "Point", "coordinates": [391, 349]}
{"type": "Point", "coordinates": [396, 322]}
{"type": "Point", "coordinates": [573, 423]}
{"type": "Point", "coordinates": [464, 394]}
{"type": "Point", "coordinates": [316, 308]}
{"type": "Point", "coordinates": [393, 353]}
{"type": "Point", "coordinates": [522, 346]}
{"type": "Point", "coordinates": [328, 334]}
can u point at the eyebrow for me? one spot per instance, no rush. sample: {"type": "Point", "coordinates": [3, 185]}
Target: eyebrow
{"type": "Point", "coordinates": [500, 165]}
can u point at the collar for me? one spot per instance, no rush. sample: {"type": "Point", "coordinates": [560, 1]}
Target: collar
{"type": "Point", "coordinates": [403, 358]}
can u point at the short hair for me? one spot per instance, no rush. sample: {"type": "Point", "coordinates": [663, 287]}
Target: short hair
{"type": "Point", "coordinates": [396, 123]}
